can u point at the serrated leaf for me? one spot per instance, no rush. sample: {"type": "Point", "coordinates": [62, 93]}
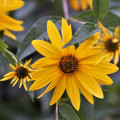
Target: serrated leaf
{"type": "Point", "coordinates": [3, 46]}
{"type": "Point", "coordinates": [86, 31]}
{"type": "Point", "coordinates": [101, 8]}
{"type": "Point", "coordinates": [67, 112]}
{"type": "Point", "coordinates": [37, 31]}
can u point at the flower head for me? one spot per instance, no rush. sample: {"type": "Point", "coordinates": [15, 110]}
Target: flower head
{"type": "Point", "coordinates": [110, 44]}
{"type": "Point", "coordinates": [80, 4]}
{"type": "Point", "coordinates": [20, 73]}
{"type": "Point", "coordinates": [7, 23]}
{"type": "Point", "coordinates": [68, 69]}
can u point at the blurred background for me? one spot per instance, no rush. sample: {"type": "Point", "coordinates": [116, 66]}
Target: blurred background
{"type": "Point", "coordinates": [15, 103]}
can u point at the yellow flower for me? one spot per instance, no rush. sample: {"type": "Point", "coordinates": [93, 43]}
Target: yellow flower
{"type": "Point", "coordinates": [21, 73]}
{"type": "Point", "coordinates": [110, 44]}
{"type": "Point", "coordinates": [7, 23]}
{"type": "Point", "coordinates": [70, 69]}
{"type": "Point", "coordinates": [81, 4]}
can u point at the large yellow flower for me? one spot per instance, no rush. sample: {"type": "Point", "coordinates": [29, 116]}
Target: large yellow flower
{"type": "Point", "coordinates": [7, 23]}
{"type": "Point", "coordinates": [70, 69]}
{"type": "Point", "coordinates": [21, 73]}
{"type": "Point", "coordinates": [81, 4]}
{"type": "Point", "coordinates": [110, 44]}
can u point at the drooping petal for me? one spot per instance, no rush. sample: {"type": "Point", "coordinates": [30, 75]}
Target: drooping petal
{"type": "Point", "coordinates": [21, 81]}
{"type": "Point", "coordinates": [15, 82]}
{"type": "Point", "coordinates": [10, 74]}
{"type": "Point", "coordinates": [24, 83]}
{"type": "Point", "coordinates": [73, 91]}
{"type": "Point", "coordinates": [54, 34]}
{"type": "Point", "coordinates": [59, 90]}
{"type": "Point", "coordinates": [28, 62]}
{"type": "Point", "coordinates": [89, 83]}
{"type": "Point", "coordinates": [12, 67]}
{"type": "Point", "coordinates": [46, 49]}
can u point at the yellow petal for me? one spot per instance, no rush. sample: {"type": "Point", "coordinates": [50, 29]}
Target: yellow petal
{"type": "Point", "coordinates": [73, 91]}
{"type": "Point", "coordinates": [86, 45]}
{"type": "Point", "coordinates": [59, 90]}
{"type": "Point", "coordinates": [13, 79]}
{"type": "Point", "coordinates": [24, 84]}
{"type": "Point", "coordinates": [67, 36]}
{"type": "Point", "coordinates": [46, 49]}
{"type": "Point", "coordinates": [87, 94]}
{"type": "Point", "coordinates": [75, 5]}
{"type": "Point", "coordinates": [10, 5]}
{"type": "Point", "coordinates": [54, 34]}
{"type": "Point", "coordinates": [90, 3]}
{"type": "Point", "coordinates": [116, 32]}
{"type": "Point", "coordinates": [83, 4]}
{"type": "Point", "coordinates": [116, 59]}
{"type": "Point", "coordinates": [28, 62]}
{"type": "Point", "coordinates": [12, 67]}
{"type": "Point", "coordinates": [89, 83]}
{"type": "Point", "coordinates": [10, 74]}
{"type": "Point", "coordinates": [43, 62]}
{"type": "Point", "coordinates": [9, 34]}
{"type": "Point", "coordinates": [10, 23]}
{"type": "Point", "coordinates": [45, 77]}
{"type": "Point", "coordinates": [104, 29]}
{"type": "Point", "coordinates": [21, 80]}
{"type": "Point", "coordinates": [105, 68]}
{"type": "Point", "coordinates": [101, 78]}
{"type": "Point", "coordinates": [56, 78]}
{"type": "Point", "coordinates": [15, 82]}
{"type": "Point", "coordinates": [7, 78]}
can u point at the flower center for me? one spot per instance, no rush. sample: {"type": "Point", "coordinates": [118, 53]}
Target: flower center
{"type": "Point", "coordinates": [21, 72]}
{"type": "Point", "coordinates": [68, 64]}
{"type": "Point", "coordinates": [111, 46]}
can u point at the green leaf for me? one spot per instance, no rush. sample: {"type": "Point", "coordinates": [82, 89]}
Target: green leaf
{"type": "Point", "coordinates": [101, 8]}
{"type": "Point", "coordinates": [67, 112]}
{"type": "Point", "coordinates": [31, 93]}
{"type": "Point", "coordinates": [86, 31]}
{"type": "Point", "coordinates": [111, 20]}
{"type": "Point", "coordinates": [37, 31]}
{"type": "Point", "coordinates": [13, 59]}
{"type": "Point", "coordinates": [62, 100]}
{"type": "Point", "coordinates": [3, 46]}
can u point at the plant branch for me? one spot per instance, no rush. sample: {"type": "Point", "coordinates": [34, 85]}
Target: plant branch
{"type": "Point", "coordinates": [56, 111]}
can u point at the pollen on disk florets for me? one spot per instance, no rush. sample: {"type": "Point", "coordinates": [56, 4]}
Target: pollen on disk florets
{"type": "Point", "coordinates": [68, 64]}
{"type": "Point", "coordinates": [111, 46]}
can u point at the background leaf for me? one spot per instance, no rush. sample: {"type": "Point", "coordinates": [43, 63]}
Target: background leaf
{"type": "Point", "coordinates": [37, 31]}
{"type": "Point", "coordinates": [3, 46]}
{"type": "Point", "coordinates": [67, 112]}
{"type": "Point", "coordinates": [111, 20]}
{"type": "Point", "coordinates": [86, 31]}
{"type": "Point", "coordinates": [101, 8]}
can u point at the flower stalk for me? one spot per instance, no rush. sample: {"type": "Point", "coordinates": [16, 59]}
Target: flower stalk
{"type": "Point", "coordinates": [56, 111]}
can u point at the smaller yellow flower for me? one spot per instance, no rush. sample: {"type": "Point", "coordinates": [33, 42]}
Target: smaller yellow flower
{"type": "Point", "coordinates": [21, 73]}
{"type": "Point", "coordinates": [81, 4]}
{"type": "Point", "coordinates": [110, 44]}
